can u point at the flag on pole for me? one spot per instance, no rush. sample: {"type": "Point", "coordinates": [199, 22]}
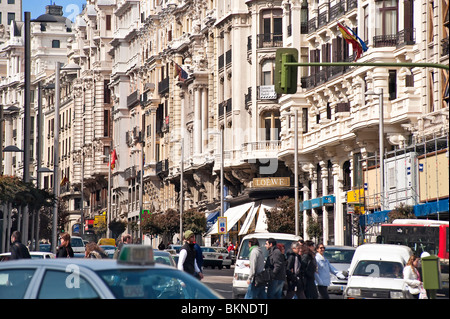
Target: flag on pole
{"type": "Point", "coordinates": [180, 73]}
{"type": "Point", "coordinates": [350, 38]}
{"type": "Point", "coordinates": [113, 159]}
{"type": "Point", "coordinates": [64, 181]}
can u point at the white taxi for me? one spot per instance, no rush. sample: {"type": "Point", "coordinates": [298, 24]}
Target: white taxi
{"type": "Point", "coordinates": [133, 276]}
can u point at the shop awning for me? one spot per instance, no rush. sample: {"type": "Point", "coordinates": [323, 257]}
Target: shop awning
{"type": "Point", "coordinates": [261, 223]}
{"type": "Point", "coordinates": [211, 219]}
{"type": "Point", "coordinates": [233, 214]}
{"type": "Point", "coordinates": [258, 210]}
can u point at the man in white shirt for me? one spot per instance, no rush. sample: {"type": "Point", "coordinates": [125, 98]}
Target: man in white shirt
{"type": "Point", "coordinates": [186, 259]}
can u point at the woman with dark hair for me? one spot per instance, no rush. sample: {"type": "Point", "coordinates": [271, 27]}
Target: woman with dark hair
{"type": "Point", "coordinates": [65, 249]}
{"type": "Point", "coordinates": [308, 269]}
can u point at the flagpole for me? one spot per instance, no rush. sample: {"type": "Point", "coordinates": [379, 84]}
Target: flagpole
{"type": "Point", "coordinates": [108, 203]}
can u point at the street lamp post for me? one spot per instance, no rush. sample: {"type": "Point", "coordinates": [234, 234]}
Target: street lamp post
{"type": "Point", "coordinates": [296, 204]}
{"type": "Point", "coordinates": [181, 141]}
{"type": "Point", "coordinates": [222, 157]}
{"type": "Point", "coordinates": [381, 144]}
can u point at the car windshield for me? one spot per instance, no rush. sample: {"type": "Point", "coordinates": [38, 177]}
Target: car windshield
{"type": "Point", "coordinates": [76, 242]}
{"type": "Point", "coordinates": [336, 255]}
{"type": "Point", "coordinates": [383, 269]}
{"type": "Point", "coordinates": [154, 284]}
{"type": "Point", "coordinates": [244, 252]}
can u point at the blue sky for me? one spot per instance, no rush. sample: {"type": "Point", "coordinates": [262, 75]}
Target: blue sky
{"type": "Point", "coordinates": [71, 8]}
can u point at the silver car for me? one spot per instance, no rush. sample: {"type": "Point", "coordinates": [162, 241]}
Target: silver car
{"type": "Point", "coordinates": [340, 257]}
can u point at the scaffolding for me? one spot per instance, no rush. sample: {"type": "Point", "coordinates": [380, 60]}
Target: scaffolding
{"type": "Point", "coordinates": [416, 175]}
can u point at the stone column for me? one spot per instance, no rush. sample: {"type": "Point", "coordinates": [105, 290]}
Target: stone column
{"type": "Point", "coordinates": [197, 122]}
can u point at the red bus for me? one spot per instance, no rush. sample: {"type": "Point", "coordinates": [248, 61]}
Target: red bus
{"type": "Point", "coordinates": [421, 236]}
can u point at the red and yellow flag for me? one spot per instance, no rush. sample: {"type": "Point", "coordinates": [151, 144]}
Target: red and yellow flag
{"type": "Point", "coordinates": [113, 159]}
{"type": "Point", "coordinates": [351, 39]}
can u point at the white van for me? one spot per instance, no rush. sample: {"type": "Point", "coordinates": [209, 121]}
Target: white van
{"type": "Point", "coordinates": [376, 271]}
{"type": "Point", "coordinates": [242, 269]}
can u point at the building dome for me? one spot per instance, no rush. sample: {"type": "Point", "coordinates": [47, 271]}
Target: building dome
{"type": "Point", "coordinates": [53, 13]}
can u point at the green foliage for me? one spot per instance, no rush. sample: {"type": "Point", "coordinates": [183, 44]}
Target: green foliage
{"type": "Point", "coordinates": [117, 227]}
{"type": "Point", "coordinates": [402, 211]}
{"type": "Point", "coordinates": [314, 228]}
{"type": "Point", "coordinates": [281, 218]}
{"type": "Point", "coordinates": [195, 221]}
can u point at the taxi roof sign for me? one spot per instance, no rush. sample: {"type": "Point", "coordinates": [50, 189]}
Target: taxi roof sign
{"type": "Point", "coordinates": [136, 254]}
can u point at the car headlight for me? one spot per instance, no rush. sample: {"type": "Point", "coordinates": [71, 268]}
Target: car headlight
{"type": "Point", "coordinates": [353, 292]}
{"type": "Point", "coordinates": [240, 276]}
{"type": "Point", "coordinates": [397, 295]}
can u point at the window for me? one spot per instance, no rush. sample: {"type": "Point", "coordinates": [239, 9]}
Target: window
{"type": "Point", "coordinates": [272, 125]}
{"type": "Point", "coordinates": [392, 84]}
{"type": "Point", "coordinates": [14, 282]}
{"type": "Point", "coordinates": [387, 20]}
{"type": "Point", "coordinates": [272, 28]}
{"type": "Point", "coordinates": [11, 1]}
{"type": "Point", "coordinates": [11, 17]}
{"type": "Point", "coordinates": [305, 120]}
{"type": "Point", "coordinates": [108, 22]}
{"type": "Point", "coordinates": [59, 285]}
{"type": "Point", "coordinates": [56, 44]}
{"type": "Point", "coordinates": [267, 72]}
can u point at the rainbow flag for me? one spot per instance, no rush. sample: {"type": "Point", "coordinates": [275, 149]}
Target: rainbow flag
{"type": "Point", "coordinates": [350, 37]}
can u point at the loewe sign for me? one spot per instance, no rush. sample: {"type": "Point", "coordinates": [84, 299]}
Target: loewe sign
{"type": "Point", "coordinates": [271, 182]}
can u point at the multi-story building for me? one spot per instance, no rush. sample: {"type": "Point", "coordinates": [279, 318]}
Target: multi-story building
{"type": "Point", "coordinates": [127, 115]}
{"type": "Point", "coordinates": [160, 80]}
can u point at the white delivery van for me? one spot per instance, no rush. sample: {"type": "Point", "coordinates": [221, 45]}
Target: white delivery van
{"type": "Point", "coordinates": [376, 272]}
{"type": "Point", "coordinates": [241, 267]}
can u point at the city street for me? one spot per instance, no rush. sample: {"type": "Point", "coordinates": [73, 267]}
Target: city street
{"type": "Point", "coordinates": [222, 281]}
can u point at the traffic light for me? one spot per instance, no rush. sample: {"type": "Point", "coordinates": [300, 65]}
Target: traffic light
{"type": "Point", "coordinates": [286, 76]}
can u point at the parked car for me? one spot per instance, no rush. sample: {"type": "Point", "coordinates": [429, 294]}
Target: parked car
{"type": "Point", "coordinates": [109, 250]}
{"type": "Point", "coordinates": [164, 257]}
{"type": "Point", "coordinates": [227, 257]}
{"type": "Point", "coordinates": [376, 272]}
{"type": "Point", "coordinates": [340, 257]}
{"type": "Point", "coordinates": [212, 258]}
{"type": "Point", "coordinates": [33, 254]}
{"type": "Point", "coordinates": [77, 244]}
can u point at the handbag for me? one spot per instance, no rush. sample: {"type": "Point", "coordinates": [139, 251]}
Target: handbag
{"type": "Point", "coordinates": [423, 293]}
{"type": "Point", "coordinates": [262, 278]}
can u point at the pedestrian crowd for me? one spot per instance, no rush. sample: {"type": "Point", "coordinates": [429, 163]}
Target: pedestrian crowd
{"type": "Point", "coordinates": [300, 270]}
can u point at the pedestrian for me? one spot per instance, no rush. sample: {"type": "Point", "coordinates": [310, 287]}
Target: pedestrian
{"type": "Point", "coordinates": [324, 269]}
{"type": "Point", "coordinates": [65, 249]}
{"type": "Point", "coordinates": [18, 250]}
{"type": "Point", "coordinates": [186, 259]}
{"type": "Point", "coordinates": [276, 263]}
{"type": "Point", "coordinates": [230, 246]}
{"type": "Point", "coordinates": [161, 246]}
{"type": "Point", "coordinates": [198, 259]}
{"type": "Point", "coordinates": [94, 251]}
{"type": "Point", "coordinates": [256, 265]}
{"type": "Point", "coordinates": [126, 240]}
{"type": "Point", "coordinates": [412, 278]}
{"type": "Point", "coordinates": [294, 277]}
{"type": "Point", "coordinates": [309, 268]}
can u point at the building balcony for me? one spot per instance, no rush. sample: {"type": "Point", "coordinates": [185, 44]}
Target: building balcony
{"type": "Point", "coordinates": [262, 149]}
{"type": "Point", "coordinates": [404, 37]}
{"type": "Point", "coordinates": [270, 40]}
{"type": "Point", "coordinates": [163, 86]}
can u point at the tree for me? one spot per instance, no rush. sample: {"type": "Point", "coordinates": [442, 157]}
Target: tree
{"type": "Point", "coordinates": [281, 218]}
{"type": "Point", "coordinates": [401, 211]}
{"type": "Point", "coordinates": [170, 223]}
{"type": "Point", "coordinates": [314, 228]}
{"type": "Point", "coordinates": [151, 225]}
{"type": "Point", "coordinates": [117, 227]}
{"type": "Point", "coordinates": [195, 221]}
